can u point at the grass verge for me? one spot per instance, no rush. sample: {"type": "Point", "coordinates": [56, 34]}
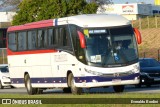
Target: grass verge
{"type": "Point", "coordinates": [61, 97]}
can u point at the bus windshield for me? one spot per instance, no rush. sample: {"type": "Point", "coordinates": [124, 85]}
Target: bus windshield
{"type": "Point", "coordinates": [111, 46]}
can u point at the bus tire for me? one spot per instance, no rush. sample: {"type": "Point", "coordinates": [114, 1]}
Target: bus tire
{"type": "Point", "coordinates": [30, 90]}
{"type": "Point", "coordinates": [67, 90]}
{"type": "Point", "coordinates": [39, 91]}
{"type": "Point", "coordinates": [74, 89]}
{"type": "Point", "coordinates": [1, 87]}
{"type": "Point", "coordinates": [118, 88]}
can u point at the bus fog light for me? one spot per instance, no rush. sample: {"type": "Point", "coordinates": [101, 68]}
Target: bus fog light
{"type": "Point", "coordinates": [136, 68]}
{"type": "Point", "coordinates": [94, 81]}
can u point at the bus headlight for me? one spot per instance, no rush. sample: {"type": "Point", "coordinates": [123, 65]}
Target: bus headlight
{"type": "Point", "coordinates": [93, 72]}
{"type": "Point", "coordinates": [136, 69]}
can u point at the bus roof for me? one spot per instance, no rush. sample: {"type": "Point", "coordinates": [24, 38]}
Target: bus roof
{"type": "Point", "coordinates": [98, 20]}
{"type": "Point", "coordinates": [86, 20]}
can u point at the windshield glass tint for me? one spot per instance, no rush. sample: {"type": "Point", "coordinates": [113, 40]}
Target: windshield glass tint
{"type": "Point", "coordinates": [109, 46]}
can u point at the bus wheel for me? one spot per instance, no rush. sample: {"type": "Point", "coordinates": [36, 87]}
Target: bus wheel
{"type": "Point", "coordinates": [38, 91]}
{"type": "Point", "coordinates": [118, 88]}
{"type": "Point", "coordinates": [28, 85]}
{"type": "Point", "coordinates": [67, 90]}
{"type": "Point", "coordinates": [74, 89]}
{"type": "Point", "coordinates": [1, 87]}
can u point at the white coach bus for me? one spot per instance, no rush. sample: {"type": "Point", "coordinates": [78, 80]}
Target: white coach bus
{"type": "Point", "coordinates": [83, 51]}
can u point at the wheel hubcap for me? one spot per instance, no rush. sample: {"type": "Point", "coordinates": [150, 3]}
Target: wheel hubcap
{"type": "Point", "coordinates": [73, 84]}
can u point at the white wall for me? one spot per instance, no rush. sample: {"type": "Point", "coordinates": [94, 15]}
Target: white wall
{"type": "Point", "coordinates": [6, 16]}
{"type": "Point", "coordinates": [132, 8]}
{"type": "Point", "coordinates": [131, 16]}
{"type": "Point", "coordinates": [130, 11]}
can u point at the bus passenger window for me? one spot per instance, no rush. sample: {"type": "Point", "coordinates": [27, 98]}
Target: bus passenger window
{"type": "Point", "coordinates": [12, 41]}
{"type": "Point", "coordinates": [22, 41]}
{"type": "Point", "coordinates": [66, 38]}
{"type": "Point", "coordinates": [42, 38]}
{"type": "Point", "coordinates": [50, 37]}
{"type": "Point", "coordinates": [56, 36]}
{"type": "Point", "coordinates": [61, 34]}
{"type": "Point", "coordinates": [32, 39]}
{"type": "Point", "coordinates": [45, 38]}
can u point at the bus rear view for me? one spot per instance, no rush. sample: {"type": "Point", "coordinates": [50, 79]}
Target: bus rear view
{"type": "Point", "coordinates": [87, 51]}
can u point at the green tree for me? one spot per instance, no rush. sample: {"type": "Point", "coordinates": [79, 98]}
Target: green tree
{"type": "Point", "coordinates": [101, 4]}
{"type": "Point", "coordinates": [90, 8]}
{"type": "Point", "coordinates": [35, 10]}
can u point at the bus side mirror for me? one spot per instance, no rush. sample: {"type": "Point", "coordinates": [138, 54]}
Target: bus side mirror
{"type": "Point", "coordinates": [138, 35]}
{"type": "Point", "coordinates": [82, 39]}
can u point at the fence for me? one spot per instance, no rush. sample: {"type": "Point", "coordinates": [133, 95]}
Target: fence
{"type": "Point", "coordinates": [147, 22]}
{"type": "Point", "coordinates": [3, 56]}
{"type": "Point", "coordinates": [150, 53]}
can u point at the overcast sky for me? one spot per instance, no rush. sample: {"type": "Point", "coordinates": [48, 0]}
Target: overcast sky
{"type": "Point", "coordinates": [133, 1]}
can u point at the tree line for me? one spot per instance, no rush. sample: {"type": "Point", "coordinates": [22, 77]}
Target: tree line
{"type": "Point", "coordinates": [36, 10]}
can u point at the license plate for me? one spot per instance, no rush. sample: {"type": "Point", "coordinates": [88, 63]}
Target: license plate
{"type": "Point", "coordinates": [116, 80]}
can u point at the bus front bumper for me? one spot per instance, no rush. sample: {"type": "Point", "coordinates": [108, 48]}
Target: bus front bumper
{"type": "Point", "coordinates": [97, 81]}
{"type": "Point", "coordinates": [103, 84]}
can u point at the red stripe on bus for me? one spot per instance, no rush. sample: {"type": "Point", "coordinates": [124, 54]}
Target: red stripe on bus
{"type": "Point", "coordinates": [40, 24]}
{"type": "Point", "coordinates": [30, 52]}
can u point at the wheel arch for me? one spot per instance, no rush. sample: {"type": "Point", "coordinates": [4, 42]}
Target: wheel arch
{"type": "Point", "coordinates": [25, 73]}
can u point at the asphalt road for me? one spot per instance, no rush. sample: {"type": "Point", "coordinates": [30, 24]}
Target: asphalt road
{"type": "Point", "coordinates": [128, 89]}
